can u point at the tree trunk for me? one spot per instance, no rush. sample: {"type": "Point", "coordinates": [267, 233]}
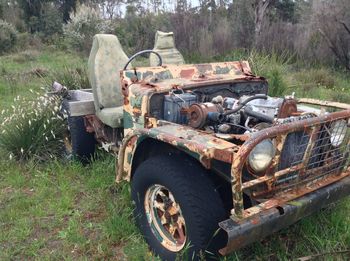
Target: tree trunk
{"type": "Point", "coordinates": [260, 7]}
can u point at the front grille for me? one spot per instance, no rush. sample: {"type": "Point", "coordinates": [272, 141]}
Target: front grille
{"type": "Point", "coordinates": [313, 154]}
{"type": "Point", "coordinates": [310, 154]}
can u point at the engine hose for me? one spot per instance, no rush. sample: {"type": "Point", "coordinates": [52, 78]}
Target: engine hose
{"type": "Point", "coordinates": [260, 116]}
{"type": "Point", "coordinates": [255, 97]}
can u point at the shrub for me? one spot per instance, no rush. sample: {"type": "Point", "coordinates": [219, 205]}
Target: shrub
{"type": "Point", "coordinates": [83, 25]}
{"type": "Point", "coordinates": [33, 129]}
{"type": "Point", "coordinates": [72, 78]}
{"type": "Point", "coordinates": [277, 84]}
{"type": "Point", "coordinates": [320, 77]}
{"type": "Point", "coordinates": [8, 36]}
{"type": "Point", "coordinates": [274, 68]}
{"type": "Point", "coordinates": [26, 56]}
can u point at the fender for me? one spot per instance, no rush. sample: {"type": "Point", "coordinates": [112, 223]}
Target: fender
{"type": "Point", "coordinates": [196, 143]}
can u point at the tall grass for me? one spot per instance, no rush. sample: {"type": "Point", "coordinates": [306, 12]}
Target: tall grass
{"type": "Point", "coordinates": [72, 77]}
{"type": "Point", "coordinates": [274, 68]}
{"type": "Point", "coordinates": [33, 129]}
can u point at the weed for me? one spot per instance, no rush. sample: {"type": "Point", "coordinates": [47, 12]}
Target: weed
{"type": "Point", "coordinates": [33, 129]}
{"type": "Point", "coordinates": [26, 56]}
{"type": "Point", "coordinates": [277, 84]}
{"type": "Point", "coordinates": [319, 77]}
{"type": "Point", "coordinates": [73, 79]}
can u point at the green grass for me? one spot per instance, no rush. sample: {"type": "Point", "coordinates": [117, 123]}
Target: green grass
{"type": "Point", "coordinates": [58, 210]}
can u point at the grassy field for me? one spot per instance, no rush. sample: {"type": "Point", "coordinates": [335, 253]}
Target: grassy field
{"type": "Point", "coordinates": [63, 210]}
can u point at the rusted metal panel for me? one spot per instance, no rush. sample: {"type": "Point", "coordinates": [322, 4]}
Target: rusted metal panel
{"type": "Point", "coordinates": [200, 144]}
{"type": "Point", "coordinates": [243, 232]}
{"type": "Point", "coordinates": [331, 104]}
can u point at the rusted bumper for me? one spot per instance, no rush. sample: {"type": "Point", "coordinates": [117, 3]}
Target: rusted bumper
{"type": "Point", "coordinates": [246, 231]}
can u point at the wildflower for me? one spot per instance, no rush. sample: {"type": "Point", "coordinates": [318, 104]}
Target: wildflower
{"type": "Point", "coordinates": [11, 156]}
{"type": "Point", "coordinates": [22, 151]}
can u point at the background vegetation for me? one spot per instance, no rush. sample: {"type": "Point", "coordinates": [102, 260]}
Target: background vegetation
{"type": "Point", "coordinates": [51, 208]}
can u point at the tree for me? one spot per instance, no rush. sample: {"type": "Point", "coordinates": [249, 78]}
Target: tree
{"type": "Point", "coordinates": [333, 23]}
{"type": "Point", "coordinates": [66, 7]}
{"type": "Point", "coordinates": [260, 7]}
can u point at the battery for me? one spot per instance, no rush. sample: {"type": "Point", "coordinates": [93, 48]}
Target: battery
{"type": "Point", "coordinates": [173, 103]}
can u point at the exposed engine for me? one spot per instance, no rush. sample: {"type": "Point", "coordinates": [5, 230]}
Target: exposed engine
{"type": "Point", "coordinates": [230, 115]}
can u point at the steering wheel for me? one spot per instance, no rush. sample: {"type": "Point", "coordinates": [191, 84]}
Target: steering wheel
{"type": "Point", "coordinates": [142, 52]}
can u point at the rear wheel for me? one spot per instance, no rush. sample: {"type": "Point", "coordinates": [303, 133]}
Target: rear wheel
{"type": "Point", "coordinates": [177, 208]}
{"type": "Point", "coordinates": [79, 143]}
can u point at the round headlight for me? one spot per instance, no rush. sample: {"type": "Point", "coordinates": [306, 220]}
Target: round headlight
{"type": "Point", "coordinates": [338, 132]}
{"type": "Point", "coordinates": [261, 156]}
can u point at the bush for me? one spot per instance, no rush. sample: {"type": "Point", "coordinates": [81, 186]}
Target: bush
{"type": "Point", "coordinates": [8, 36]}
{"type": "Point", "coordinates": [73, 79]}
{"type": "Point", "coordinates": [84, 24]}
{"type": "Point", "coordinates": [33, 129]}
{"type": "Point", "coordinates": [277, 84]}
{"type": "Point", "coordinates": [318, 77]}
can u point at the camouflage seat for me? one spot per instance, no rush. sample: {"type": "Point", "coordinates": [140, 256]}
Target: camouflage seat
{"type": "Point", "coordinates": [165, 46]}
{"type": "Point", "coordinates": [106, 60]}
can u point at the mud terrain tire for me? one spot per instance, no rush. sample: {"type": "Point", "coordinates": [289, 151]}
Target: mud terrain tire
{"type": "Point", "coordinates": [201, 205]}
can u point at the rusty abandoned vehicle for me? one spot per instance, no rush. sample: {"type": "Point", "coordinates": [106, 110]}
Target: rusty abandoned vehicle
{"type": "Point", "coordinates": [214, 162]}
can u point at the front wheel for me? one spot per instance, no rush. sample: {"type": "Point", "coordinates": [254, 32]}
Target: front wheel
{"type": "Point", "coordinates": [177, 208]}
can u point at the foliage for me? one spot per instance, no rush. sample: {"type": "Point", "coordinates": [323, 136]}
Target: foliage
{"type": "Point", "coordinates": [333, 22]}
{"type": "Point", "coordinates": [32, 130]}
{"type": "Point", "coordinates": [46, 16]}
{"type": "Point", "coordinates": [83, 25]}
{"type": "Point", "coordinates": [69, 76]}
{"type": "Point", "coordinates": [8, 36]}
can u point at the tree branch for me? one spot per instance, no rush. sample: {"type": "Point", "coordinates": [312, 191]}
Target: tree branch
{"type": "Point", "coordinates": [333, 48]}
{"type": "Point", "coordinates": [345, 26]}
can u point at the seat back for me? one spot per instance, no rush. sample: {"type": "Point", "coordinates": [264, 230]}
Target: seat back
{"type": "Point", "coordinates": [106, 60]}
{"type": "Point", "coordinates": [165, 45]}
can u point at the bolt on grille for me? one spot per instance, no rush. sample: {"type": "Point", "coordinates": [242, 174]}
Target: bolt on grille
{"type": "Point", "coordinates": [310, 154]}
{"type": "Point", "coordinates": [314, 153]}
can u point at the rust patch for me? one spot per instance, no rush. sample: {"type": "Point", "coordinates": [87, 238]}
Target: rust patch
{"type": "Point", "coordinates": [187, 73]}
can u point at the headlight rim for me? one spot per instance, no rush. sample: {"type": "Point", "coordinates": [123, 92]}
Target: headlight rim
{"type": "Point", "coordinates": [344, 129]}
{"type": "Point", "coordinates": [254, 171]}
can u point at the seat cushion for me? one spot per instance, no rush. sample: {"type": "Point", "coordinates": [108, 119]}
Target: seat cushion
{"type": "Point", "coordinates": [112, 117]}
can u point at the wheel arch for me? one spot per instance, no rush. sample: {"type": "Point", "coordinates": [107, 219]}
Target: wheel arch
{"type": "Point", "coordinates": [137, 148]}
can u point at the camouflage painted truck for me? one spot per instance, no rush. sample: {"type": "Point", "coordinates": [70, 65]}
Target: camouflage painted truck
{"type": "Point", "coordinates": [214, 162]}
